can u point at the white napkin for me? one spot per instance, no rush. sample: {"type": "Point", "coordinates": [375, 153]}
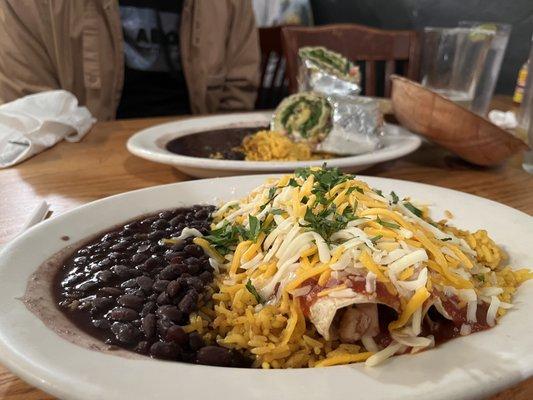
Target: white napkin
{"type": "Point", "coordinates": [33, 123]}
{"type": "Point", "coordinates": [504, 119]}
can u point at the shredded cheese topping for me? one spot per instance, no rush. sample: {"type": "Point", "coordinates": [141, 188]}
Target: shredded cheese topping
{"type": "Point", "coordinates": [320, 242]}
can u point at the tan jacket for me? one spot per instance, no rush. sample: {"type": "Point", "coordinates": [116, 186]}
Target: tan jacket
{"type": "Point", "coordinates": [77, 45]}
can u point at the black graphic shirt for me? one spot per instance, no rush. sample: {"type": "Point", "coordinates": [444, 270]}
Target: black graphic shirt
{"type": "Point", "coordinates": [154, 84]}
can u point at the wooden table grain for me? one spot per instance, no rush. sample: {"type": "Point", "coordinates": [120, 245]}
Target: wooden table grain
{"type": "Point", "coordinates": [71, 174]}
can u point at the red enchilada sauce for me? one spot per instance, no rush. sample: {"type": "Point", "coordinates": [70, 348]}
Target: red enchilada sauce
{"type": "Point", "coordinates": [441, 328]}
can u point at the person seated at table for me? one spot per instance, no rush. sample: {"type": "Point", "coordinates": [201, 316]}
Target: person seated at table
{"type": "Point", "coordinates": [132, 58]}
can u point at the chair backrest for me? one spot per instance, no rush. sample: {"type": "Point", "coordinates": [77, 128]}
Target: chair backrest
{"type": "Point", "coordinates": [273, 86]}
{"type": "Point", "coordinates": [376, 51]}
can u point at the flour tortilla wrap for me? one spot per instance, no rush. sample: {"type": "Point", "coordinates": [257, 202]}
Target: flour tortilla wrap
{"type": "Point", "coordinates": [325, 311]}
{"type": "Point", "coordinates": [325, 71]}
{"type": "Point", "coordinates": [303, 117]}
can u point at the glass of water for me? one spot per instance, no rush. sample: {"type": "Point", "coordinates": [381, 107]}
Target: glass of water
{"type": "Point", "coordinates": [453, 60]}
{"type": "Point", "coordinates": [525, 116]}
{"type": "Point", "coordinates": [493, 62]}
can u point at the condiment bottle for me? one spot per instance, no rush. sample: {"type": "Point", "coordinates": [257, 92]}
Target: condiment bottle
{"type": "Point", "coordinates": [521, 84]}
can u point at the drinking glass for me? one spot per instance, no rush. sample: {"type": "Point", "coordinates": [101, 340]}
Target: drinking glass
{"type": "Point", "coordinates": [493, 62]}
{"type": "Point", "coordinates": [453, 59]}
{"type": "Point", "coordinates": [525, 116]}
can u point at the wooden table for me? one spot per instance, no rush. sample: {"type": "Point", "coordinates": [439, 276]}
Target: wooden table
{"type": "Point", "coordinates": [72, 174]}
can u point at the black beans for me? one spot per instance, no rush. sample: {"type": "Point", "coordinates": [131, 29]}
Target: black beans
{"type": "Point", "coordinates": [160, 285]}
{"type": "Point", "coordinates": [103, 303]}
{"type": "Point", "coordinates": [145, 283]}
{"type": "Point", "coordinates": [122, 271]}
{"type": "Point", "coordinates": [148, 307]}
{"type": "Point", "coordinates": [148, 325]}
{"type": "Point", "coordinates": [109, 291]}
{"type": "Point", "coordinates": [177, 335]}
{"type": "Point", "coordinates": [188, 303]}
{"type": "Point", "coordinates": [160, 224]}
{"type": "Point", "coordinates": [131, 301]}
{"type": "Point", "coordinates": [123, 314]}
{"type": "Point", "coordinates": [213, 355]}
{"type": "Point", "coordinates": [101, 323]}
{"type": "Point", "coordinates": [163, 299]}
{"type": "Point", "coordinates": [170, 312]}
{"type": "Point", "coordinates": [164, 350]}
{"type": "Point", "coordinates": [193, 250]}
{"type": "Point", "coordinates": [125, 333]}
{"type": "Point", "coordinates": [173, 288]}
{"type": "Point", "coordinates": [195, 341]}
{"type": "Point", "coordinates": [133, 291]}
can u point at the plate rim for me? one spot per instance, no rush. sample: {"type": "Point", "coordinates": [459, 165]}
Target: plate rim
{"type": "Point", "coordinates": [410, 143]}
{"type": "Point", "coordinates": [24, 368]}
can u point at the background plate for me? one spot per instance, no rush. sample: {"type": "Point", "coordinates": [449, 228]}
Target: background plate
{"type": "Point", "coordinates": [150, 144]}
{"type": "Point", "coordinates": [466, 368]}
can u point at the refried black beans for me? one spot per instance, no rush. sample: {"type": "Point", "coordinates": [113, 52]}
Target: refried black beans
{"type": "Point", "coordinates": [129, 290]}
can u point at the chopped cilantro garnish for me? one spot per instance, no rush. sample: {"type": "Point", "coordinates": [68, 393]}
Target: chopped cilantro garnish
{"type": "Point", "coordinates": [394, 198]}
{"type": "Point", "coordinates": [271, 195]}
{"type": "Point", "coordinates": [292, 182]}
{"type": "Point", "coordinates": [223, 238]}
{"type": "Point", "coordinates": [276, 211]}
{"type": "Point", "coordinates": [251, 288]}
{"type": "Point", "coordinates": [305, 199]}
{"type": "Point", "coordinates": [255, 228]}
{"type": "Point", "coordinates": [413, 209]}
{"type": "Point", "coordinates": [378, 192]}
{"type": "Point", "coordinates": [327, 221]}
{"type": "Point", "coordinates": [480, 277]}
{"type": "Point", "coordinates": [387, 224]}
{"type": "Point", "coordinates": [375, 238]}
{"type": "Point", "coordinates": [446, 239]}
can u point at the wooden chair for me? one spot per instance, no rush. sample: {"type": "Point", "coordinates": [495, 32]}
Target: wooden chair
{"type": "Point", "coordinates": [376, 51]}
{"type": "Point", "coordinates": [273, 86]}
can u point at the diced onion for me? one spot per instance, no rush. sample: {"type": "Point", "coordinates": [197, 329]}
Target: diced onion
{"type": "Point", "coordinates": [370, 344]}
{"type": "Point", "coordinates": [406, 261]}
{"type": "Point", "coordinates": [301, 291]}
{"type": "Point", "coordinates": [466, 329]}
{"type": "Point", "coordinates": [370, 282]}
{"type": "Point", "coordinates": [382, 355]}
{"type": "Point", "coordinates": [493, 309]}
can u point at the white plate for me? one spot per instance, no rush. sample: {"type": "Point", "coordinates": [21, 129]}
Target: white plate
{"type": "Point", "coordinates": [465, 368]}
{"type": "Point", "coordinates": [150, 144]}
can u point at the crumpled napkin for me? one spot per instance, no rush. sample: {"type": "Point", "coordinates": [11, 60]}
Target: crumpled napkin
{"type": "Point", "coordinates": [33, 123]}
{"type": "Point", "coordinates": [504, 119]}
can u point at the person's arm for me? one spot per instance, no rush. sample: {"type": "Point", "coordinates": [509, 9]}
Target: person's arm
{"type": "Point", "coordinates": [243, 60]}
{"type": "Point", "coordinates": [25, 66]}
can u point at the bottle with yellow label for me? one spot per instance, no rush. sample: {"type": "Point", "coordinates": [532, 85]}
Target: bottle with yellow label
{"type": "Point", "coordinates": [521, 84]}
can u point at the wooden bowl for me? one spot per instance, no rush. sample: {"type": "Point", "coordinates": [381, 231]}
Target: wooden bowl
{"type": "Point", "coordinates": [455, 128]}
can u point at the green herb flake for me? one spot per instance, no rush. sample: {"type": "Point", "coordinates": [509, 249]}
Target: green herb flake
{"type": "Point", "coordinates": [292, 182]}
{"type": "Point", "coordinates": [271, 194]}
{"type": "Point", "coordinates": [413, 209]}
{"type": "Point", "coordinates": [255, 228]}
{"type": "Point", "coordinates": [387, 224]}
{"type": "Point", "coordinates": [395, 198]}
{"type": "Point", "coordinates": [446, 239]}
{"type": "Point", "coordinates": [223, 238]}
{"type": "Point", "coordinates": [327, 221]}
{"type": "Point", "coordinates": [251, 288]}
{"type": "Point", "coordinates": [378, 192]}
{"type": "Point", "coordinates": [305, 199]}
{"type": "Point", "coordinates": [276, 211]}
{"type": "Point", "coordinates": [480, 277]}
{"type": "Point", "coordinates": [376, 238]}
